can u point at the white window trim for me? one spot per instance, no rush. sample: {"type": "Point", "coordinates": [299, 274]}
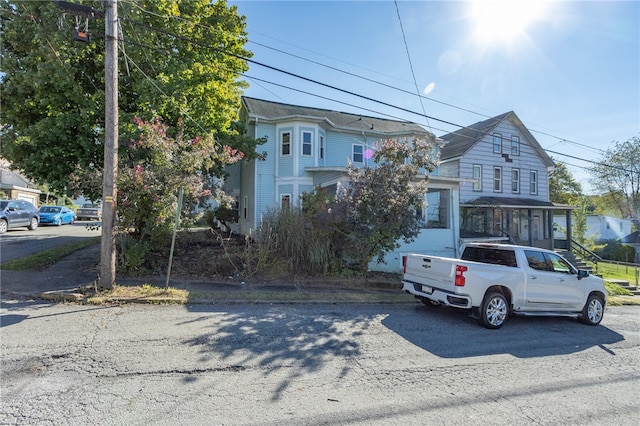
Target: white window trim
{"type": "Point", "coordinates": [533, 182]}
{"type": "Point", "coordinates": [477, 183]}
{"type": "Point", "coordinates": [499, 181]}
{"type": "Point", "coordinates": [353, 153]}
{"type": "Point", "coordinates": [515, 183]}
{"type": "Point", "coordinates": [499, 151]}
{"type": "Point", "coordinates": [282, 133]}
{"type": "Point", "coordinates": [515, 143]}
{"type": "Point", "coordinates": [302, 143]}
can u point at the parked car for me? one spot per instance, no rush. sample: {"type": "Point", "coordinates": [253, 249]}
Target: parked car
{"type": "Point", "coordinates": [56, 215]}
{"type": "Point", "coordinates": [89, 211]}
{"type": "Point", "coordinates": [18, 214]}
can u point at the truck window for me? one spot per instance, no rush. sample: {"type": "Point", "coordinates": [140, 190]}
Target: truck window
{"type": "Point", "coordinates": [536, 260]}
{"type": "Point", "coordinates": [559, 264]}
{"type": "Point", "coordinates": [490, 255]}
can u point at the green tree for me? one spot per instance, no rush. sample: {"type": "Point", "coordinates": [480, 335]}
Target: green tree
{"type": "Point", "coordinates": [179, 59]}
{"type": "Point", "coordinates": [563, 188]}
{"type": "Point", "coordinates": [617, 174]}
{"type": "Point", "coordinates": [377, 207]}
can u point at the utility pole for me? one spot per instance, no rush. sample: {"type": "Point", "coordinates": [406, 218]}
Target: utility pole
{"type": "Point", "coordinates": [109, 190]}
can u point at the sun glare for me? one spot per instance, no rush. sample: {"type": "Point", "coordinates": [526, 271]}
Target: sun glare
{"type": "Point", "coordinates": [504, 21]}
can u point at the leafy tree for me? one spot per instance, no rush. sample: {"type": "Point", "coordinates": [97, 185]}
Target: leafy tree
{"type": "Point", "coordinates": [179, 59]}
{"type": "Point", "coordinates": [162, 164]}
{"type": "Point", "coordinates": [378, 206]}
{"type": "Point", "coordinates": [617, 174]}
{"type": "Point", "coordinates": [563, 188]}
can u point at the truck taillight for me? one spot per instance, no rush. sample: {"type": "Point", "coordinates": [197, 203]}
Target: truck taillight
{"type": "Point", "coordinates": [460, 279]}
{"type": "Point", "coordinates": [404, 264]}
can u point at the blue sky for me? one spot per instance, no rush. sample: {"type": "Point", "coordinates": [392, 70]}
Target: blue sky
{"type": "Point", "coordinates": [570, 70]}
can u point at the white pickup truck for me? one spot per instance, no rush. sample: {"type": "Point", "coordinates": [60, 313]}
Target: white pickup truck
{"type": "Point", "coordinates": [494, 281]}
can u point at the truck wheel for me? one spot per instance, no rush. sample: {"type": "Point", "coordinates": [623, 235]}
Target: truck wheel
{"type": "Point", "coordinates": [494, 311]}
{"type": "Point", "coordinates": [593, 310]}
{"type": "Point", "coordinates": [430, 303]}
{"type": "Point", "coordinates": [3, 226]}
{"type": "Point", "coordinates": [33, 224]}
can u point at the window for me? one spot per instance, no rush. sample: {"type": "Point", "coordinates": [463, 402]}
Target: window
{"type": "Point", "coordinates": [515, 145]}
{"type": "Point", "coordinates": [515, 181]}
{"type": "Point", "coordinates": [497, 179]}
{"type": "Point", "coordinates": [497, 143]}
{"type": "Point", "coordinates": [558, 264]}
{"type": "Point", "coordinates": [285, 201]}
{"type": "Point", "coordinates": [321, 147]}
{"type": "Point", "coordinates": [536, 260]}
{"type": "Point", "coordinates": [286, 143]}
{"type": "Point", "coordinates": [306, 143]}
{"type": "Point", "coordinates": [437, 209]}
{"type": "Point", "coordinates": [477, 177]}
{"type": "Point", "coordinates": [533, 182]}
{"type": "Point", "coordinates": [358, 154]}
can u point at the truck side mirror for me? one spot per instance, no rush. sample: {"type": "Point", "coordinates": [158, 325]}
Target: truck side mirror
{"type": "Point", "coordinates": [582, 274]}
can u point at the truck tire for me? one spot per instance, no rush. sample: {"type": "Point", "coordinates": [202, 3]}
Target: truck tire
{"type": "Point", "coordinates": [494, 310]}
{"type": "Point", "coordinates": [593, 310]}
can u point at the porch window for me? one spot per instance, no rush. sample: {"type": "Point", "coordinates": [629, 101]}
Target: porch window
{"type": "Point", "coordinates": [497, 143]}
{"type": "Point", "coordinates": [437, 211]}
{"type": "Point", "coordinates": [358, 154]}
{"type": "Point", "coordinates": [515, 145]}
{"type": "Point", "coordinates": [285, 143]}
{"type": "Point", "coordinates": [497, 179]}
{"type": "Point", "coordinates": [321, 154]}
{"type": "Point", "coordinates": [306, 143]}
{"type": "Point", "coordinates": [515, 181]}
{"type": "Point", "coordinates": [533, 182]}
{"type": "Point", "coordinates": [477, 177]}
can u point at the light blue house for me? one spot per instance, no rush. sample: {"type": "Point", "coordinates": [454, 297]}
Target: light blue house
{"type": "Point", "coordinates": [310, 147]}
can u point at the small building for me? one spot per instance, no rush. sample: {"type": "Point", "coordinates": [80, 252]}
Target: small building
{"type": "Point", "coordinates": [15, 186]}
{"type": "Point", "coordinates": [599, 227]}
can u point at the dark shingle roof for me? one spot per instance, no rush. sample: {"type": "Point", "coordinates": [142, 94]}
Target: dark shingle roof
{"type": "Point", "coordinates": [276, 111]}
{"type": "Point", "coordinates": [460, 141]}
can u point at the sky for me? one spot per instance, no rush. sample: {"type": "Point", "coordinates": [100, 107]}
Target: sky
{"type": "Point", "coordinates": [569, 69]}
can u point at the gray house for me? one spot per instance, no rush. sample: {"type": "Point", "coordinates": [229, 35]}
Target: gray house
{"type": "Point", "coordinates": [504, 195]}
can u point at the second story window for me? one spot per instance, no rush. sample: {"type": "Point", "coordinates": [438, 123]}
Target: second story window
{"type": "Point", "coordinates": [286, 143]}
{"type": "Point", "coordinates": [358, 154]}
{"type": "Point", "coordinates": [497, 179]}
{"type": "Point", "coordinates": [533, 182]}
{"type": "Point", "coordinates": [515, 145]}
{"type": "Point", "coordinates": [477, 177]}
{"type": "Point", "coordinates": [497, 143]}
{"type": "Point", "coordinates": [321, 147]}
{"type": "Point", "coordinates": [515, 181]}
{"type": "Point", "coordinates": [306, 143]}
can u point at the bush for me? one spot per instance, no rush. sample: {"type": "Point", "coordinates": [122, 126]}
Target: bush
{"type": "Point", "coordinates": [615, 250]}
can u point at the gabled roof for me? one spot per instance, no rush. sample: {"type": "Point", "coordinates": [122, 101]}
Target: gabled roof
{"type": "Point", "coordinates": [276, 111]}
{"type": "Point", "coordinates": [461, 141]}
{"type": "Point", "coordinates": [633, 238]}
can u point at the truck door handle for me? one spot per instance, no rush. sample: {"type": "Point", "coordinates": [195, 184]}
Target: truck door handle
{"type": "Point", "coordinates": [532, 277]}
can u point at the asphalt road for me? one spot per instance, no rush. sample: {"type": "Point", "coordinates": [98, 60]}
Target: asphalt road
{"type": "Point", "coordinates": [282, 364]}
{"type": "Point", "coordinates": [20, 242]}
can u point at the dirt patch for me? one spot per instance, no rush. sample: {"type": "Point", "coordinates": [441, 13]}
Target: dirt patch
{"type": "Point", "coordinates": [206, 255]}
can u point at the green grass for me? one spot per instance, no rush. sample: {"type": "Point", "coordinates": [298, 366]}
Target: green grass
{"type": "Point", "coordinates": [620, 272]}
{"type": "Point", "coordinates": [44, 259]}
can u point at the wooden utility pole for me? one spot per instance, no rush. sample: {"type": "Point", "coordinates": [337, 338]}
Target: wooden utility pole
{"type": "Point", "coordinates": [109, 190]}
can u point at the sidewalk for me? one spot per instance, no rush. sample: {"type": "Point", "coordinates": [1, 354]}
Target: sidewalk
{"type": "Point", "coordinates": [63, 281]}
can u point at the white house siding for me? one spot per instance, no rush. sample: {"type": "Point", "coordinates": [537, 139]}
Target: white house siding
{"type": "Point", "coordinates": [436, 242]}
{"type": "Point", "coordinates": [482, 154]}
{"type": "Point", "coordinates": [600, 228]}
